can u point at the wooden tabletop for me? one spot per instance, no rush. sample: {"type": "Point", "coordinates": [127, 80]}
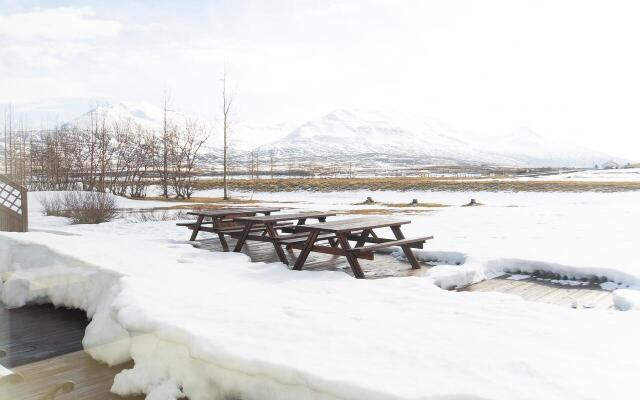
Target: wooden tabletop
{"type": "Point", "coordinates": [233, 211]}
{"type": "Point", "coordinates": [353, 224]}
{"type": "Point", "coordinates": [285, 217]}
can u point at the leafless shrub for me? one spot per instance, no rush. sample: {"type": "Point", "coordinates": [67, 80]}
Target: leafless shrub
{"type": "Point", "coordinates": [52, 206]}
{"type": "Point", "coordinates": [89, 207]}
{"type": "Point", "coordinates": [80, 207]}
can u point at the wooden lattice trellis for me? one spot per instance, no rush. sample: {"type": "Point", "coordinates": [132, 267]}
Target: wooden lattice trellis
{"type": "Point", "coordinates": [13, 206]}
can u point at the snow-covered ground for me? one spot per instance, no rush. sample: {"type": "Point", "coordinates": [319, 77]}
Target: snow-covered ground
{"type": "Point", "coordinates": [594, 175]}
{"type": "Point", "coordinates": [214, 325]}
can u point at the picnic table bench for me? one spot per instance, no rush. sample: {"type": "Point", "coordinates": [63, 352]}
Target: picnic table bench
{"type": "Point", "coordinates": [270, 224]}
{"type": "Point", "coordinates": [360, 230]}
{"type": "Point", "coordinates": [222, 222]}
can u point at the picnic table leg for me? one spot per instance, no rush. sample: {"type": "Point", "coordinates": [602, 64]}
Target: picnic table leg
{"type": "Point", "coordinates": [408, 251]}
{"type": "Point", "coordinates": [243, 236]}
{"type": "Point", "coordinates": [363, 237]}
{"type": "Point", "coordinates": [332, 241]}
{"type": "Point", "coordinates": [274, 239]}
{"type": "Point", "coordinates": [223, 241]}
{"type": "Point", "coordinates": [351, 258]}
{"type": "Point", "coordinates": [196, 228]}
{"type": "Point", "coordinates": [302, 257]}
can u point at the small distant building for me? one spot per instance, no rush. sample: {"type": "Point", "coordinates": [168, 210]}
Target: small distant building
{"type": "Point", "coordinates": [610, 165]}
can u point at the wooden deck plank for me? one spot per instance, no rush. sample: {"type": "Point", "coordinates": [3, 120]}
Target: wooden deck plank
{"type": "Point", "coordinates": [383, 266]}
{"type": "Point", "coordinates": [91, 379]}
{"type": "Point", "coordinates": [44, 345]}
{"type": "Point", "coordinates": [22, 333]}
{"type": "Point", "coordinates": [543, 291]}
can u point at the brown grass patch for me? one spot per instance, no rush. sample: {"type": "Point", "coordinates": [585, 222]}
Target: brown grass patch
{"type": "Point", "coordinates": [382, 211]}
{"type": "Point", "coordinates": [203, 200]}
{"type": "Point", "coordinates": [403, 184]}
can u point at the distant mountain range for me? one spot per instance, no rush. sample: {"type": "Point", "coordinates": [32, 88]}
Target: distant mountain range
{"type": "Point", "coordinates": [401, 140]}
{"type": "Point", "coordinates": [379, 140]}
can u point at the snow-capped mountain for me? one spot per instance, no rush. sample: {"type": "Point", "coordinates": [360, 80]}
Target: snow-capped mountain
{"type": "Point", "coordinates": [146, 115]}
{"type": "Point", "coordinates": [370, 137]}
{"type": "Point", "coordinates": [373, 137]}
{"type": "Point", "coordinates": [243, 137]}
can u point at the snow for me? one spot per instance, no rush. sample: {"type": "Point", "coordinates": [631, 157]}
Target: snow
{"type": "Point", "coordinates": [518, 277]}
{"type": "Point", "coordinates": [214, 325]}
{"type": "Point", "coordinates": [626, 299]}
{"type": "Point", "coordinates": [594, 175]}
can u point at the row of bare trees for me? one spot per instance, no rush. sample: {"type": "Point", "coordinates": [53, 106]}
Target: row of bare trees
{"type": "Point", "coordinates": [120, 157]}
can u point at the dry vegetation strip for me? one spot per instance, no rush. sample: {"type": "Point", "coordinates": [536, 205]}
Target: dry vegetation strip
{"type": "Point", "coordinates": [331, 184]}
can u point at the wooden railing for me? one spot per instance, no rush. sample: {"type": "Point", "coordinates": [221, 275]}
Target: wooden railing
{"type": "Point", "coordinates": [14, 213]}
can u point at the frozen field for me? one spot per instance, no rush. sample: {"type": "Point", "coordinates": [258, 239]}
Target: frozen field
{"type": "Point", "coordinates": [213, 325]}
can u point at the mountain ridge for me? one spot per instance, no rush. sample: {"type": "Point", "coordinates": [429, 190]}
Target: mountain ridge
{"type": "Point", "coordinates": [377, 139]}
{"type": "Point", "coordinates": [374, 137]}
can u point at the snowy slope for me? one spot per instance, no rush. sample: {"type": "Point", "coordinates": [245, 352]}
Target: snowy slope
{"type": "Point", "coordinates": [406, 139]}
{"type": "Point", "coordinates": [594, 175]}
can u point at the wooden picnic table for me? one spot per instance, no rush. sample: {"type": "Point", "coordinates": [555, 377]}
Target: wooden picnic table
{"type": "Point", "coordinates": [360, 230]}
{"type": "Point", "coordinates": [270, 232]}
{"type": "Point", "coordinates": [221, 221]}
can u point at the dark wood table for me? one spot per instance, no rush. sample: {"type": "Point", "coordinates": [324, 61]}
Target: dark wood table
{"type": "Point", "coordinates": [221, 221]}
{"type": "Point", "coordinates": [271, 227]}
{"type": "Point", "coordinates": [360, 230]}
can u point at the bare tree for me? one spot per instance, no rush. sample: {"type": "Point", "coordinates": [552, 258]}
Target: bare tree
{"type": "Point", "coordinates": [257, 165]}
{"type": "Point", "coordinates": [186, 143]}
{"type": "Point", "coordinates": [166, 139]}
{"type": "Point", "coordinates": [271, 153]}
{"type": "Point", "coordinates": [227, 100]}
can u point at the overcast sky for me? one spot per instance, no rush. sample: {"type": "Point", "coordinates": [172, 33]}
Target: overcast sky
{"type": "Point", "coordinates": [567, 69]}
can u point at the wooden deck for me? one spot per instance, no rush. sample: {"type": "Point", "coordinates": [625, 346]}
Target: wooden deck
{"type": "Point", "coordinates": [91, 380]}
{"type": "Point", "coordinates": [385, 265]}
{"type": "Point", "coordinates": [532, 289]}
{"type": "Point", "coordinates": [43, 345]}
{"type": "Point", "coordinates": [382, 266]}
{"type": "Point", "coordinates": [21, 333]}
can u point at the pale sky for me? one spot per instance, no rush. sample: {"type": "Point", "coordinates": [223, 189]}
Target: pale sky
{"type": "Point", "coordinates": [569, 69]}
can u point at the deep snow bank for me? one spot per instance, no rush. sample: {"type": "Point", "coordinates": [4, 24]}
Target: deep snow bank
{"type": "Point", "coordinates": [208, 325]}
